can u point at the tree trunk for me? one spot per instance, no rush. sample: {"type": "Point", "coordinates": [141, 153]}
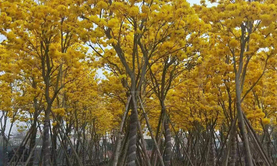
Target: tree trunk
{"type": "Point", "coordinates": [248, 156]}
{"type": "Point", "coordinates": [46, 141]}
{"type": "Point", "coordinates": [132, 147]}
{"type": "Point", "coordinates": [167, 155]}
{"type": "Point", "coordinates": [233, 153]}
{"type": "Point", "coordinates": [33, 141]}
{"type": "Point", "coordinates": [5, 151]}
{"type": "Point", "coordinates": [5, 139]}
{"type": "Point", "coordinates": [211, 149]}
{"type": "Point", "coordinates": [54, 146]}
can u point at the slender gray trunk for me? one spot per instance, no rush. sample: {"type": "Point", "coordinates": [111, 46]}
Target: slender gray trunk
{"type": "Point", "coordinates": [233, 153]}
{"type": "Point", "coordinates": [167, 155]}
{"type": "Point", "coordinates": [46, 142]}
{"type": "Point", "coordinates": [33, 142]}
{"type": "Point", "coordinates": [248, 156]}
{"type": "Point", "coordinates": [132, 147]}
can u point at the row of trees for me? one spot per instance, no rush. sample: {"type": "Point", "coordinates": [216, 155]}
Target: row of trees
{"type": "Point", "coordinates": [201, 80]}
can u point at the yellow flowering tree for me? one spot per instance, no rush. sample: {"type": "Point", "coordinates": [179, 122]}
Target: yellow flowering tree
{"type": "Point", "coordinates": [243, 35]}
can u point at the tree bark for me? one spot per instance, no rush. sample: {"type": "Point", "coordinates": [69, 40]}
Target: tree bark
{"type": "Point", "coordinates": [54, 146]}
{"type": "Point", "coordinates": [167, 155]}
{"type": "Point", "coordinates": [33, 142]}
{"type": "Point", "coordinates": [233, 153]}
{"type": "Point", "coordinates": [248, 156]}
{"type": "Point", "coordinates": [132, 147]}
{"type": "Point", "coordinates": [46, 142]}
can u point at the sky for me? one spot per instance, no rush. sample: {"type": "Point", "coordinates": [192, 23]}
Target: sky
{"type": "Point", "coordinates": [193, 1]}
